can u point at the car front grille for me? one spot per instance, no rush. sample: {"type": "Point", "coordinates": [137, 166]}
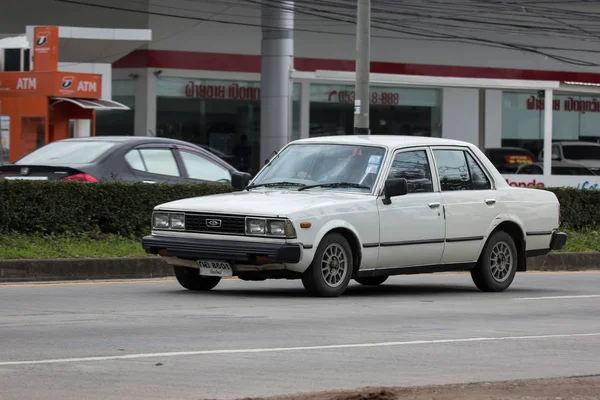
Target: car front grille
{"type": "Point", "coordinates": [217, 224]}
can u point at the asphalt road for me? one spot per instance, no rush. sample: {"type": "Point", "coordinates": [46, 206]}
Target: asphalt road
{"type": "Point", "coordinates": [153, 340]}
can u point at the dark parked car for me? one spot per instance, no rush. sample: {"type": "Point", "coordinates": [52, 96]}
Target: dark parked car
{"type": "Point", "coordinates": [508, 159]}
{"type": "Point", "coordinates": [124, 158]}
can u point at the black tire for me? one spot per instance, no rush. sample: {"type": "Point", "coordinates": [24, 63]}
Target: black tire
{"type": "Point", "coordinates": [189, 279]}
{"type": "Point", "coordinates": [334, 247]}
{"type": "Point", "coordinates": [372, 280]}
{"type": "Point", "coordinates": [486, 275]}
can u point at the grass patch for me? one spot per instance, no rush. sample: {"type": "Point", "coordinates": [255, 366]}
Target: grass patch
{"type": "Point", "coordinates": [19, 246]}
{"type": "Point", "coordinates": [586, 240]}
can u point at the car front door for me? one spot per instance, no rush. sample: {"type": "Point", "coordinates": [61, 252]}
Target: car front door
{"type": "Point", "coordinates": [470, 203]}
{"type": "Point", "coordinates": [154, 164]}
{"type": "Point", "coordinates": [412, 226]}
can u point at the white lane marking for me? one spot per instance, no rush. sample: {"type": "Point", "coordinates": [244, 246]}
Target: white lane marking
{"type": "Point", "coordinates": [587, 296]}
{"type": "Point", "coordinates": [301, 348]}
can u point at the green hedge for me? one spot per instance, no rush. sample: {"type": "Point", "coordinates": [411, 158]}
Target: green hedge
{"type": "Point", "coordinates": [579, 208]}
{"type": "Point", "coordinates": [76, 207]}
{"type": "Point", "coordinates": [29, 207]}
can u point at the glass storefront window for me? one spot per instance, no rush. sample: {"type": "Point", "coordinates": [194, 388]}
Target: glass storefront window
{"type": "Point", "coordinates": [118, 122]}
{"type": "Point", "coordinates": [223, 116]}
{"type": "Point", "coordinates": [393, 110]}
{"type": "Point", "coordinates": [575, 130]}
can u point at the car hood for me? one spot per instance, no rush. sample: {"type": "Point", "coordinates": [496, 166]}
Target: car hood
{"type": "Point", "coordinates": [268, 203]}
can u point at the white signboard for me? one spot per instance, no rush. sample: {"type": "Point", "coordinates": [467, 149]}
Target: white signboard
{"type": "Point", "coordinates": [538, 181]}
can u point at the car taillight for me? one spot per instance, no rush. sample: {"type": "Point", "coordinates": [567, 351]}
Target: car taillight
{"type": "Point", "coordinates": [80, 178]}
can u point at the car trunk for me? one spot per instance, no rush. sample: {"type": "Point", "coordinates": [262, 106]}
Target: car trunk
{"type": "Point", "coordinates": [42, 172]}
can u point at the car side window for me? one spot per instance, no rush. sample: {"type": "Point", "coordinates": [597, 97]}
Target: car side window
{"type": "Point", "coordinates": [415, 168]}
{"type": "Point", "coordinates": [452, 170]}
{"type": "Point", "coordinates": [153, 161]}
{"type": "Point", "coordinates": [135, 161]}
{"type": "Point", "coordinates": [202, 168]}
{"type": "Point", "coordinates": [479, 179]}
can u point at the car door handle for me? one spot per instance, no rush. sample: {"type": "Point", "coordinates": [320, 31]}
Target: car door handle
{"type": "Point", "coordinates": [434, 205]}
{"type": "Point", "coordinates": [490, 202]}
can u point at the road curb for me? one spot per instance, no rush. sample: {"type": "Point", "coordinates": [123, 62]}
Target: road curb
{"type": "Point", "coordinates": [154, 267]}
{"type": "Point", "coordinates": [83, 269]}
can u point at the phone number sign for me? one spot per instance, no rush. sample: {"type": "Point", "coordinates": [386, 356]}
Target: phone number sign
{"type": "Point", "coordinates": [349, 97]}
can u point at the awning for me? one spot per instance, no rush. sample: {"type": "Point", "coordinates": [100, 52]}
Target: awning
{"type": "Point", "coordinates": [94, 104]}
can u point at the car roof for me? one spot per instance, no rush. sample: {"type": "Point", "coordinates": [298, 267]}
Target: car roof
{"type": "Point", "coordinates": [390, 141]}
{"type": "Point", "coordinates": [575, 143]}
{"type": "Point", "coordinates": [126, 139]}
{"type": "Point", "coordinates": [508, 148]}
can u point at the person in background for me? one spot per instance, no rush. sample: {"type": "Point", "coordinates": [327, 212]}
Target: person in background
{"type": "Point", "coordinates": [242, 153]}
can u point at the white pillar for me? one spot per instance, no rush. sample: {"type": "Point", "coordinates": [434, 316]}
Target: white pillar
{"type": "Point", "coordinates": [145, 104]}
{"type": "Point", "coordinates": [548, 133]}
{"type": "Point", "coordinates": [493, 118]}
{"type": "Point", "coordinates": [82, 128]}
{"type": "Point", "coordinates": [277, 62]}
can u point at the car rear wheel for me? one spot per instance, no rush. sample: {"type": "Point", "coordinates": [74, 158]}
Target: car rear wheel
{"type": "Point", "coordinates": [372, 280]}
{"type": "Point", "coordinates": [191, 280]}
{"type": "Point", "coordinates": [331, 269]}
{"type": "Point", "coordinates": [497, 264]}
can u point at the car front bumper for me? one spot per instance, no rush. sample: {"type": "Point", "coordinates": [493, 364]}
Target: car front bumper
{"type": "Point", "coordinates": [237, 252]}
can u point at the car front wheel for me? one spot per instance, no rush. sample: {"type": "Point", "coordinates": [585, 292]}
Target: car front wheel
{"type": "Point", "coordinates": [191, 280]}
{"type": "Point", "coordinates": [331, 269]}
{"type": "Point", "coordinates": [497, 265]}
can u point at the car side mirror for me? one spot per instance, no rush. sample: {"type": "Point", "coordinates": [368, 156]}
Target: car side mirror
{"type": "Point", "coordinates": [393, 188]}
{"type": "Point", "coordinates": [555, 157]}
{"type": "Point", "coordinates": [239, 180]}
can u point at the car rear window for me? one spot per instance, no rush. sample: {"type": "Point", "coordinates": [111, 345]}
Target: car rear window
{"type": "Point", "coordinates": [67, 153]}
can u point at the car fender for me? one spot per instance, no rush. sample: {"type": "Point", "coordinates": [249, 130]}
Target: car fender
{"type": "Point", "coordinates": [336, 224]}
{"type": "Point", "coordinates": [499, 219]}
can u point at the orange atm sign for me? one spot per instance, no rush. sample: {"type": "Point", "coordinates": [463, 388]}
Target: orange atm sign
{"type": "Point", "coordinates": [67, 84]}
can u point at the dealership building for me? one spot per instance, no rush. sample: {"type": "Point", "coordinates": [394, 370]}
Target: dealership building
{"type": "Point", "coordinates": [199, 77]}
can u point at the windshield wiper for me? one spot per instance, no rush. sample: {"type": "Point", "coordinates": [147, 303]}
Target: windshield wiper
{"type": "Point", "coordinates": [273, 184]}
{"type": "Point", "coordinates": [336, 185]}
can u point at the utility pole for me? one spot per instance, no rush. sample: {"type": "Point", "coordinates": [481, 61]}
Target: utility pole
{"type": "Point", "coordinates": [363, 56]}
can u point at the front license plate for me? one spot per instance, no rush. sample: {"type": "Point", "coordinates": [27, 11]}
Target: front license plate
{"type": "Point", "coordinates": [215, 268]}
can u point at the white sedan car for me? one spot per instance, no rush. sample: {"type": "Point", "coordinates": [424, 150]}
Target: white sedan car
{"type": "Point", "coordinates": [330, 209]}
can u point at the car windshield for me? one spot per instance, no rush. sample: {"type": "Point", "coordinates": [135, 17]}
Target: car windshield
{"type": "Point", "coordinates": [581, 152]}
{"type": "Point", "coordinates": [352, 168]}
{"type": "Point", "coordinates": [67, 153]}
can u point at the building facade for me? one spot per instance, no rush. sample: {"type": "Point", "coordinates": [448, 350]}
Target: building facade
{"type": "Point", "coordinates": [199, 79]}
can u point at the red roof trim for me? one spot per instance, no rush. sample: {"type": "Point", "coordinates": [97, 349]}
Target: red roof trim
{"type": "Point", "coordinates": [251, 63]}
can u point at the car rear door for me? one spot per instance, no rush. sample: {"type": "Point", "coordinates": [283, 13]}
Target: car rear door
{"type": "Point", "coordinates": [470, 203]}
{"type": "Point", "coordinates": [155, 163]}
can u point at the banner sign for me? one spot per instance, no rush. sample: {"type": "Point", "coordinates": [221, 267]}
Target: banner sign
{"type": "Point", "coordinates": [539, 182]}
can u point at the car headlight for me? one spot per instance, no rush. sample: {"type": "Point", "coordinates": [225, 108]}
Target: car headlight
{"type": "Point", "coordinates": [177, 221]}
{"type": "Point", "coordinates": [163, 220]}
{"type": "Point", "coordinates": [256, 226]}
{"type": "Point", "coordinates": [160, 220]}
{"type": "Point", "coordinates": [282, 228]}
